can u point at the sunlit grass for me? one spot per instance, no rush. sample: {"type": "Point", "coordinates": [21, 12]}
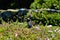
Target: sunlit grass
{"type": "Point", "coordinates": [20, 31]}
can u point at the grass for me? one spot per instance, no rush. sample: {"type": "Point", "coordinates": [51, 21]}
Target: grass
{"type": "Point", "coordinates": [19, 31]}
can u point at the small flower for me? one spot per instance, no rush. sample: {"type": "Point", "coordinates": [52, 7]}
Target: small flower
{"type": "Point", "coordinates": [50, 31]}
{"type": "Point", "coordinates": [59, 31]}
{"type": "Point", "coordinates": [49, 26]}
{"type": "Point", "coordinates": [46, 38]}
{"type": "Point", "coordinates": [16, 34]}
{"type": "Point", "coordinates": [55, 30]}
{"type": "Point", "coordinates": [53, 35]}
{"type": "Point", "coordinates": [37, 28]}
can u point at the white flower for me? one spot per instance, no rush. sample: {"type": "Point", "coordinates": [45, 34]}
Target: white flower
{"type": "Point", "coordinates": [46, 38]}
{"type": "Point", "coordinates": [50, 31]}
{"type": "Point", "coordinates": [53, 35]}
{"type": "Point", "coordinates": [16, 34]}
{"type": "Point", "coordinates": [49, 26]}
{"type": "Point", "coordinates": [37, 28]}
{"type": "Point", "coordinates": [56, 30]}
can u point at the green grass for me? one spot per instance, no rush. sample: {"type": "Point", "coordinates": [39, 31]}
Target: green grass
{"type": "Point", "coordinates": [19, 31]}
